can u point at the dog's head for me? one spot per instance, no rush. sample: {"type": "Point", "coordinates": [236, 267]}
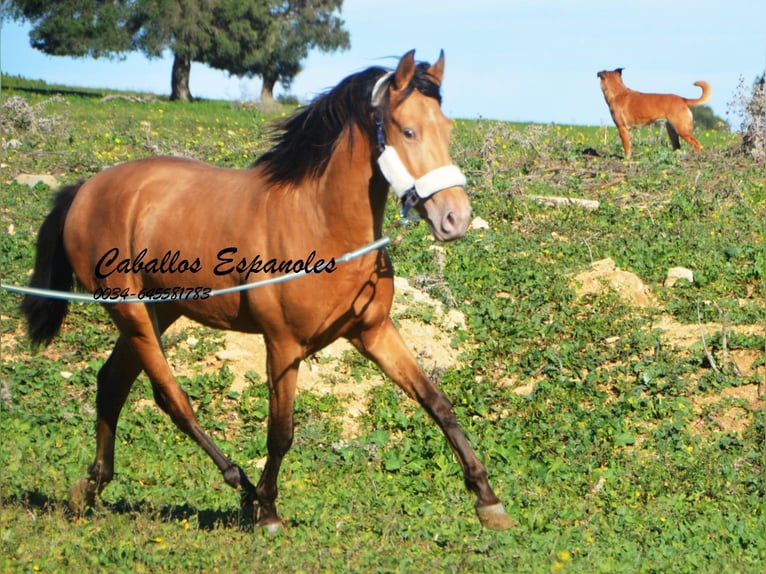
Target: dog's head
{"type": "Point", "coordinates": [611, 81]}
{"type": "Point", "coordinates": [603, 74]}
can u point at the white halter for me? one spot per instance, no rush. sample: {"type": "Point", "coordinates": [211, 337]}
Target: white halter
{"type": "Point", "coordinates": [404, 185]}
{"type": "Point", "coordinates": [402, 181]}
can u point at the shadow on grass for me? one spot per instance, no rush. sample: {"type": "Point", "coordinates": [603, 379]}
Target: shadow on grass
{"type": "Point", "coordinates": [56, 90]}
{"type": "Point", "coordinates": [206, 519]}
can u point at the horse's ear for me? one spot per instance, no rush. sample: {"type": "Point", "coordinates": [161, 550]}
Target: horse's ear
{"type": "Point", "coordinates": [405, 70]}
{"type": "Point", "coordinates": [437, 70]}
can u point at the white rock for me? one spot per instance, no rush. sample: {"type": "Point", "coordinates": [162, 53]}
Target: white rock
{"type": "Point", "coordinates": [479, 223]}
{"type": "Point", "coordinates": [32, 179]}
{"type": "Point", "coordinates": [676, 273]}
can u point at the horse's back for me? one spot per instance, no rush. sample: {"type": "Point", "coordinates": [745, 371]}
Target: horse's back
{"type": "Point", "coordinates": [162, 173]}
{"type": "Point", "coordinates": [158, 187]}
{"type": "Point", "coordinates": [159, 204]}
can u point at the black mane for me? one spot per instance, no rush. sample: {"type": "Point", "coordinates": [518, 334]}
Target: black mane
{"type": "Point", "coordinates": [305, 142]}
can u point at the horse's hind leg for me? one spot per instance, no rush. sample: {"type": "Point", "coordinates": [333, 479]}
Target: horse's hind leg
{"type": "Point", "coordinates": [115, 379]}
{"type": "Point", "coordinates": [137, 325]}
{"type": "Point", "coordinates": [385, 346]}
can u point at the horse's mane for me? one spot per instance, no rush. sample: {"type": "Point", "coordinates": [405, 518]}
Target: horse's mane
{"type": "Point", "coordinates": [305, 142]}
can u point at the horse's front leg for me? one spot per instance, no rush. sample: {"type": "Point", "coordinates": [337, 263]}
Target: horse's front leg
{"type": "Point", "coordinates": [140, 326]}
{"type": "Point", "coordinates": [384, 345]}
{"type": "Point", "coordinates": [282, 372]}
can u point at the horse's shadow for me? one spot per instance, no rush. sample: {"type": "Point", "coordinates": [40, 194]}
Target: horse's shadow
{"type": "Point", "coordinates": [207, 519]}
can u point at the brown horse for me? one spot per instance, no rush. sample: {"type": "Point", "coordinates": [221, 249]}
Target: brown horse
{"type": "Point", "coordinates": [174, 229]}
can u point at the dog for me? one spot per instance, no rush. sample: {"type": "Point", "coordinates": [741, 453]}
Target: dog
{"type": "Point", "coordinates": [630, 108]}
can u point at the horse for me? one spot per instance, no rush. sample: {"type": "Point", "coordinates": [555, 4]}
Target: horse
{"type": "Point", "coordinates": [173, 229]}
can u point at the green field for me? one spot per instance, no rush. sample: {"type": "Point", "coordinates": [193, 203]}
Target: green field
{"type": "Point", "coordinates": [624, 435]}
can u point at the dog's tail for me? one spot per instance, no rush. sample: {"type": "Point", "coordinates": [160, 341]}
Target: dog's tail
{"type": "Point", "coordinates": [706, 93]}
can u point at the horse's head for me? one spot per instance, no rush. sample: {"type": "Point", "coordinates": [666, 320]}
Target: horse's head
{"type": "Point", "coordinates": [413, 141]}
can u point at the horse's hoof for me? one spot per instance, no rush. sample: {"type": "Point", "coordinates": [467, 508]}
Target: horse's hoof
{"type": "Point", "coordinates": [272, 528]}
{"type": "Point", "coordinates": [82, 496]}
{"type": "Point", "coordinates": [495, 517]}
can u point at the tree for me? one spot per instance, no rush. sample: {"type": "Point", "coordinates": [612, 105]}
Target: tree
{"type": "Point", "coordinates": [287, 30]}
{"type": "Point", "coordinates": [76, 28]}
{"type": "Point", "coordinates": [244, 37]}
{"type": "Point", "coordinates": [111, 28]}
{"type": "Point", "coordinates": [185, 28]}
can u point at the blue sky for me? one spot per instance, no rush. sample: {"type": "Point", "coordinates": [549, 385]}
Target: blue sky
{"type": "Point", "coordinates": [520, 60]}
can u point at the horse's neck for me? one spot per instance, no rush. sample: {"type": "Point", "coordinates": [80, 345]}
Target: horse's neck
{"type": "Point", "coordinates": [353, 193]}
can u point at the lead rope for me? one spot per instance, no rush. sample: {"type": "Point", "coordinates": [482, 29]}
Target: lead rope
{"type": "Point", "coordinates": [86, 298]}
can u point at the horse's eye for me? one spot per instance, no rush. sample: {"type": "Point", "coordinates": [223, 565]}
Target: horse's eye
{"type": "Point", "coordinates": [409, 133]}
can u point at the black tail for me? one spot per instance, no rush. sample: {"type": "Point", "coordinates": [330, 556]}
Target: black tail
{"type": "Point", "coordinates": [52, 271]}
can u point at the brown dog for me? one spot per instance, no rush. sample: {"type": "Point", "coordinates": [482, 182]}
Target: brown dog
{"type": "Point", "coordinates": [630, 108]}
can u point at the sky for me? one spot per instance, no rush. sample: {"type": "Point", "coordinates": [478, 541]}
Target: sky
{"type": "Point", "coordinates": [516, 60]}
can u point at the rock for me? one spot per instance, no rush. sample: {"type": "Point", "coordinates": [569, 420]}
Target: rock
{"type": "Point", "coordinates": [605, 274]}
{"type": "Point", "coordinates": [479, 223]}
{"type": "Point", "coordinates": [676, 273]}
{"type": "Point", "coordinates": [454, 320]}
{"type": "Point", "coordinates": [551, 201]}
{"type": "Point", "coordinates": [32, 179]}
{"type": "Point", "coordinates": [231, 355]}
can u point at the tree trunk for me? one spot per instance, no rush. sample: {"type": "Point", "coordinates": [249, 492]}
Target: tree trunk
{"type": "Point", "coordinates": [179, 88]}
{"type": "Point", "coordinates": [267, 91]}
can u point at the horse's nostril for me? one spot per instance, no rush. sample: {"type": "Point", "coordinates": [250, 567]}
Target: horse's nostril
{"type": "Point", "coordinates": [449, 221]}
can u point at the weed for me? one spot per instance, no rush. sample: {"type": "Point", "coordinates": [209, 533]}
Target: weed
{"type": "Point", "coordinates": [605, 438]}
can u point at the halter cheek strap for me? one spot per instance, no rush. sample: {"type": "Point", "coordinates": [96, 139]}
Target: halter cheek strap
{"type": "Point", "coordinates": [408, 189]}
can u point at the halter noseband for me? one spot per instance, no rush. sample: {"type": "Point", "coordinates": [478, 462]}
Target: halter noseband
{"type": "Point", "coordinates": [408, 189]}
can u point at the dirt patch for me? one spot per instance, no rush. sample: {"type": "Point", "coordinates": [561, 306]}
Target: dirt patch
{"type": "Point", "coordinates": [629, 287]}
{"type": "Point", "coordinates": [728, 411]}
{"type": "Point", "coordinates": [605, 275]}
{"type": "Point", "coordinates": [330, 371]}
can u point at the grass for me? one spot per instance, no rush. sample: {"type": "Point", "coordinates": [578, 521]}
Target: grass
{"type": "Point", "coordinates": [622, 456]}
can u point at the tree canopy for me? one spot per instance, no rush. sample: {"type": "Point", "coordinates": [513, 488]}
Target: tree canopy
{"type": "Point", "coordinates": [266, 38]}
{"type": "Point", "coordinates": [287, 30]}
{"type": "Point", "coordinates": [74, 27]}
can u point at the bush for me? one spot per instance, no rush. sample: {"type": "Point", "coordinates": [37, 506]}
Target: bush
{"type": "Point", "coordinates": [705, 119]}
{"type": "Point", "coordinates": [750, 106]}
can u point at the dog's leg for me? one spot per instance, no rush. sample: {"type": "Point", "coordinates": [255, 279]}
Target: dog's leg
{"type": "Point", "coordinates": [692, 141]}
{"type": "Point", "coordinates": [625, 137]}
{"type": "Point", "coordinates": [673, 136]}
{"type": "Point", "coordinates": [684, 125]}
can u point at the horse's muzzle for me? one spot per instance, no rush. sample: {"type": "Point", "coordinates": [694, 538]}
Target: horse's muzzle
{"type": "Point", "coordinates": [448, 213]}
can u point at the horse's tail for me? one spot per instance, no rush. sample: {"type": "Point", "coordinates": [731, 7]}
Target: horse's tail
{"type": "Point", "coordinates": [52, 271]}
